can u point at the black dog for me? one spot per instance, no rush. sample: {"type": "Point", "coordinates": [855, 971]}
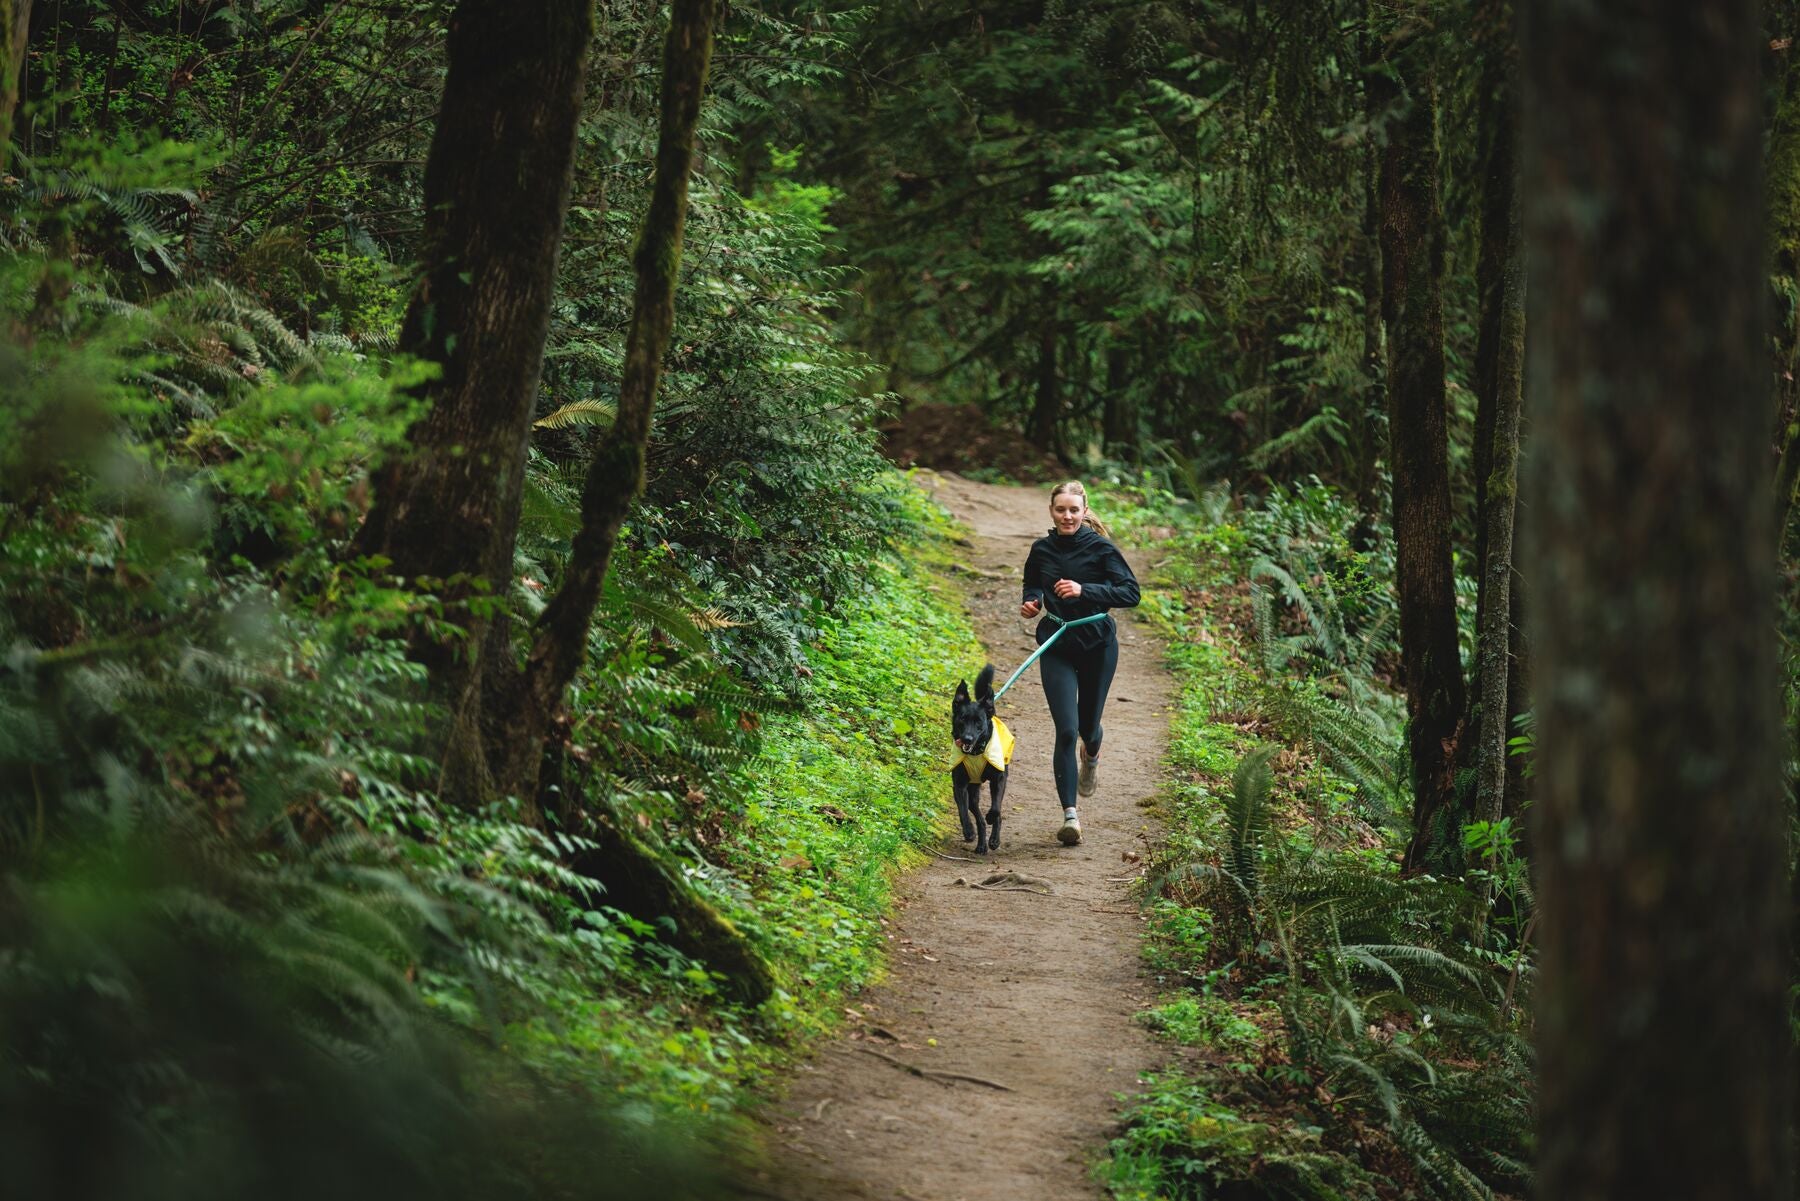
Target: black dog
{"type": "Point", "coordinates": [984, 748]}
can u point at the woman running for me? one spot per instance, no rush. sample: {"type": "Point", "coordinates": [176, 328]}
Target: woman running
{"type": "Point", "coordinates": [1071, 572]}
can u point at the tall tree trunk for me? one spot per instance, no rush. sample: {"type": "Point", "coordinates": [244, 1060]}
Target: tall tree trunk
{"type": "Point", "coordinates": [1041, 429]}
{"type": "Point", "coordinates": [15, 29]}
{"type": "Point", "coordinates": [616, 474]}
{"type": "Point", "coordinates": [1412, 253]}
{"type": "Point", "coordinates": [523, 716]}
{"type": "Point", "coordinates": [1784, 254]}
{"type": "Point", "coordinates": [496, 184]}
{"type": "Point", "coordinates": [1373, 401]}
{"type": "Point", "coordinates": [1661, 841]}
{"type": "Point", "coordinates": [1499, 369]}
{"type": "Point", "coordinates": [1118, 413]}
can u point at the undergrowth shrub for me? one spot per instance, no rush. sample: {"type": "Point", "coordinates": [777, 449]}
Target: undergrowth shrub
{"type": "Point", "coordinates": [1400, 1064]}
{"type": "Point", "coordinates": [210, 744]}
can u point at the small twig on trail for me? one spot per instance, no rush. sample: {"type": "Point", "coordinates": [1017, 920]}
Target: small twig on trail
{"type": "Point", "coordinates": [958, 858]}
{"type": "Point", "coordinates": [819, 1109]}
{"type": "Point", "coordinates": [1126, 912]}
{"type": "Point", "coordinates": [934, 1074]}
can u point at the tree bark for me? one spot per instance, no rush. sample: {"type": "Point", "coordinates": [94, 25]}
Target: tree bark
{"type": "Point", "coordinates": [1041, 429]}
{"type": "Point", "coordinates": [1412, 252]}
{"type": "Point", "coordinates": [616, 474]}
{"type": "Point", "coordinates": [15, 29]}
{"type": "Point", "coordinates": [1118, 411]}
{"type": "Point", "coordinates": [637, 878]}
{"type": "Point", "coordinates": [1499, 370]}
{"type": "Point", "coordinates": [496, 185]}
{"type": "Point", "coordinates": [1373, 401]}
{"type": "Point", "coordinates": [1784, 255]}
{"type": "Point", "coordinates": [1661, 839]}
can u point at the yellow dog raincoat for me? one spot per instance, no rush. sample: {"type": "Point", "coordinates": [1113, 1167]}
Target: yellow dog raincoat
{"type": "Point", "coordinates": [997, 755]}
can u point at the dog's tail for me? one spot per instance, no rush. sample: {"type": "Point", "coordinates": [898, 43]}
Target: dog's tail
{"type": "Point", "coordinates": [984, 683]}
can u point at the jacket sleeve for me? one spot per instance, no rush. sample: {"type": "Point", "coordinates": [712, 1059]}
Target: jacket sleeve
{"type": "Point", "coordinates": [1033, 572]}
{"type": "Point", "coordinates": [1119, 590]}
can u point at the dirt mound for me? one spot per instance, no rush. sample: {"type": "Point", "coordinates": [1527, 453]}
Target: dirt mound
{"type": "Point", "coordinates": [959, 438]}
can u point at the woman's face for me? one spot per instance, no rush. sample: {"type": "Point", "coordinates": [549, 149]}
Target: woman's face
{"type": "Point", "coordinates": [1066, 510]}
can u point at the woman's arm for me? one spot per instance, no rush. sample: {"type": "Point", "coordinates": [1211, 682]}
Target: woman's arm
{"type": "Point", "coordinates": [1119, 590]}
{"type": "Point", "coordinates": [1034, 571]}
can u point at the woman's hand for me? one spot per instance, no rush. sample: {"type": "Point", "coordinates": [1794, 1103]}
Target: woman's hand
{"type": "Point", "coordinates": [1030, 608]}
{"type": "Point", "coordinates": [1067, 589]}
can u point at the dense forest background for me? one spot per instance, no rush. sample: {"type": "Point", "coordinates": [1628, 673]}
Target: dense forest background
{"type": "Point", "coordinates": [442, 501]}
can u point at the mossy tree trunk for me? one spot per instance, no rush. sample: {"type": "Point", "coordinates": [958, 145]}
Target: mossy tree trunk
{"type": "Point", "coordinates": [1412, 256]}
{"type": "Point", "coordinates": [1784, 266]}
{"type": "Point", "coordinates": [525, 716]}
{"type": "Point", "coordinates": [1046, 411]}
{"type": "Point", "coordinates": [1662, 847]}
{"type": "Point", "coordinates": [1118, 408]}
{"type": "Point", "coordinates": [15, 29]}
{"type": "Point", "coordinates": [496, 186]}
{"type": "Point", "coordinates": [1499, 370]}
{"type": "Point", "coordinates": [616, 474]}
{"type": "Point", "coordinates": [1373, 402]}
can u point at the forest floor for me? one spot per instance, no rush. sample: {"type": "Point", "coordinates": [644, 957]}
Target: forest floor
{"type": "Point", "coordinates": [1035, 993]}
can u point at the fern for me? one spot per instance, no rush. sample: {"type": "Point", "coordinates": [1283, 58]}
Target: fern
{"type": "Point", "coordinates": [579, 412]}
{"type": "Point", "coordinates": [1247, 822]}
{"type": "Point", "coordinates": [1239, 874]}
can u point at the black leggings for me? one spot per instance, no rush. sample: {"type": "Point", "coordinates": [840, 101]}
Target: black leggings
{"type": "Point", "coordinates": [1076, 689]}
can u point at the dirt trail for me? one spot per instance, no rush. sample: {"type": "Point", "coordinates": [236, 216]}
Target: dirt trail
{"type": "Point", "coordinates": [1032, 992]}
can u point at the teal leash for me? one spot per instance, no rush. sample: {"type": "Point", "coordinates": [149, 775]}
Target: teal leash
{"type": "Point", "coordinates": [1061, 627]}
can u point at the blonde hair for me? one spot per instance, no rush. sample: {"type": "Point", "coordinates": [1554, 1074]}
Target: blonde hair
{"type": "Point", "coordinates": [1075, 487]}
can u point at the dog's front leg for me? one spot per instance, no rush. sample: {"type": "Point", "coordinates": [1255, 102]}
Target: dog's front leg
{"type": "Point", "coordinates": [968, 804]}
{"type": "Point", "coordinates": [981, 832]}
{"type": "Point", "coordinates": [996, 794]}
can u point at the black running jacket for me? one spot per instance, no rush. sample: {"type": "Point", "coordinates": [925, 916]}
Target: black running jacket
{"type": "Point", "coordinates": [1106, 583]}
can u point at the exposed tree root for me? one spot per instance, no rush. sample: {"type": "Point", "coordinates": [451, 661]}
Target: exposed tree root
{"type": "Point", "coordinates": [1011, 882]}
{"type": "Point", "coordinates": [934, 1074]}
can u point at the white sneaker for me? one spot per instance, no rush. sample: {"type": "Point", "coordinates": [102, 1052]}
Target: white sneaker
{"type": "Point", "coordinates": [1090, 775]}
{"type": "Point", "coordinates": [1070, 834]}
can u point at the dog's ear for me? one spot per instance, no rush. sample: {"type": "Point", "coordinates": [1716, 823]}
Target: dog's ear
{"type": "Point", "coordinates": [962, 691]}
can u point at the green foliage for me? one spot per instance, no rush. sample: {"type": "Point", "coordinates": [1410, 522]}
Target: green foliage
{"type": "Point", "coordinates": [1159, 208]}
{"type": "Point", "coordinates": [1402, 1060]}
{"type": "Point", "coordinates": [763, 483]}
{"type": "Point", "coordinates": [1240, 868]}
{"type": "Point", "coordinates": [210, 730]}
{"type": "Point", "coordinates": [1183, 1142]}
{"type": "Point", "coordinates": [1204, 1021]}
{"type": "Point", "coordinates": [836, 801]}
{"type": "Point", "coordinates": [222, 876]}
